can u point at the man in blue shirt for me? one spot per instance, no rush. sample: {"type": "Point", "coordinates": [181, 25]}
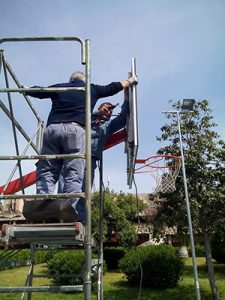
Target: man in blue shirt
{"type": "Point", "coordinates": [101, 129]}
{"type": "Point", "coordinates": [65, 132]}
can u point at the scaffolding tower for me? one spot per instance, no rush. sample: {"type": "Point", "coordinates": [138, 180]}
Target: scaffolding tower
{"type": "Point", "coordinates": [50, 235]}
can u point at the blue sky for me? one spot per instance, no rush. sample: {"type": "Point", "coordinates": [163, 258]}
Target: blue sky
{"type": "Point", "coordinates": [179, 48]}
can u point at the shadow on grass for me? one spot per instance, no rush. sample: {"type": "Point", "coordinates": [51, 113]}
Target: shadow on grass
{"type": "Point", "coordinates": [219, 270]}
{"type": "Point", "coordinates": [185, 291]}
{"type": "Point", "coordinates": [130, 293]}
{"type": "Point", "coordinates": [202, 271]}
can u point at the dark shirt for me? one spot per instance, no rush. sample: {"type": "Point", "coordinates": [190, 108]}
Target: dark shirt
{"type": "Point", "coordinates": [100, 133]}
{"type": "Point", "coordinates": [70, 106]}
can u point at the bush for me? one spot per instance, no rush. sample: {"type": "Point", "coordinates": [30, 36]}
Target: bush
{"type": "Point", "coordinates": [67, 262]}
{"type": "Point", "coordinates": [112, 256]}
{"type": "Point", "coordinates": [218, 245]}
{"type": "Point", "coordinates": [70, 262]}
{"type": "Point", "coordinates": [50, 254]}
{"type": "Point", "coordinates": [199, 250]}
{"type": "Point", "coordinates": [162, 267]}
{"type": "Point", "coordinates": [41, 256]}
{"type": "Point", "coordinates": [20, 257]}
{"type": "Point", "coordinates": [14, 258]}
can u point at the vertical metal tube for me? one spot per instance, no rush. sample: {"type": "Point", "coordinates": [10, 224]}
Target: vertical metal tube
{"type": "Point", "coordinates": [88, 237]}
{"type": "Point", "coordinates": [133, 126]}
{"type": "Point", "coordinates": [1, 56]}
{"type": "Point", "coordinates": [39, 136]}
{"type": "Point", "coordinates": [197, 289]}
{"type": "Point", "coordinates": [31, 272]}
{"type": "Point", "coordinates": [14, 128]}
{"type": "Point", "coordinates": [101, 215]}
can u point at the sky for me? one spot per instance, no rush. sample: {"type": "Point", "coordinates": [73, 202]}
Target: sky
{"type": "Point", "coordinates": [179, 48]}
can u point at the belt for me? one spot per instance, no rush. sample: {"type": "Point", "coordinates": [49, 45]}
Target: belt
{"type": "Point", "coordinates": [69, 122]}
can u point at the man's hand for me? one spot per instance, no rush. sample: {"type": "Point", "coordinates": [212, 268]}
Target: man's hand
{"type": "Point", "coordinates": [132, 80]}
{"type": "Point", "coordinates": [129, 82]}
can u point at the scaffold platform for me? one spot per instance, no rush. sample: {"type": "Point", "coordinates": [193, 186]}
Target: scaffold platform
{"type": "Point", "coordinates": [54, 235]}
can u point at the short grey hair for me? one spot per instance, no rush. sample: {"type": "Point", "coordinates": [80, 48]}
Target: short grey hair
{"type": "Point", "coordinates": [78, 74]}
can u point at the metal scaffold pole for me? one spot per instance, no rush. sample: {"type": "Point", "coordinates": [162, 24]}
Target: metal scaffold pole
{"type": "Point", "coordinates": [88, 237]}
{"type": "Point", "coordinates": [100, 295]}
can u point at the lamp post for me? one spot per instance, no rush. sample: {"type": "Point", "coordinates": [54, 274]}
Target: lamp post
{"type": "Point", "coordinates": [186, 107]}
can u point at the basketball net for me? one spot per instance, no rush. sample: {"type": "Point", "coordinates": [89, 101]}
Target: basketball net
{"type": "Point", "coordinates": [163, 168]}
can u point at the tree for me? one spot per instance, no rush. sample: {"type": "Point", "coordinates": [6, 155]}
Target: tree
{"type": "Point", "coordinates": [119, 213]}
{"type": "Point", "coordinates": [204, 160]}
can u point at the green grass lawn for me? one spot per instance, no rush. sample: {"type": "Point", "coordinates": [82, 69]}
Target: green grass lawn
{"type": "Point", "coordinates": [116, 288]}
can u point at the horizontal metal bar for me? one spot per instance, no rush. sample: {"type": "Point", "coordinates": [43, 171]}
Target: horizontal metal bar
{"type": "Point", "coordinates": [53, 276]}
{"type": "Point", "coordinates": [76, 243]}
{"type": "Point", "coordinates": [72, 224]}
{"type": "Point", "coordinates": [61, 89]}
{"type": "Point", "coordinates": [42, 196]}
{"type": "Point", "coordinates": [43, 156]}
{"type": "Point", "coordinates": [41, 38]}
{"type": "Point", "coordinates": [65, 288]}
{"type": "Point", "coordinates": [49, 38]}
{"type": "Point", "coordinates": [55, 236]}
{"type": "Point", "coordinates": [175, 112]}
{"type": "Point", "coordinates": [42, 232]}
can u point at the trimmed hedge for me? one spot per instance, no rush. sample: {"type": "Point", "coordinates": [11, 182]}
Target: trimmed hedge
{"type": "Point", "coordinates": [67, 262]}
{"type": "Point", "coordinates": [16, 258]}
{"type": "Point", "coordinates": [161, 265]}
{"type": "Point", "coordinates": [112, 255]}
{"type": "Point", "coordinates": [71, 263]}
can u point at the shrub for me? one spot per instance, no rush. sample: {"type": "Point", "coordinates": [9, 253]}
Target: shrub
{"type": "Point", "coordinates": [70, 262]}
{"type": "Point", "coordinates": [161, 265]}
{"type": "Point", "coordinates": [67, 262]}
{"type": "Point", "coordinates": [16, 258]}
{"type": "Point", "coordinates": [21, 257]}
{"type": "Point", "coordinates": [218, 245]}
{"type": "Point", "coordinates": [50, 254]}
{"type": "Point", "coordinates": [199, 250]}
{"type": "Point", "coordinates": [41, 256]}
{"type": "Point", "coordinates": [112, 256]}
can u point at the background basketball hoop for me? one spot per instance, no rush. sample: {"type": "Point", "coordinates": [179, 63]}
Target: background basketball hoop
{"type": "Point", "coordinates": [163, 168]}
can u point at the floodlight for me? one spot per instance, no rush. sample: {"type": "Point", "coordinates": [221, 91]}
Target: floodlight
{"type": "Point", "coordinates": [188, 104]}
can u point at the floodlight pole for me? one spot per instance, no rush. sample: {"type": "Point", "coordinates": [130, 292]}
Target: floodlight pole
{"type": "Point", "coordinates": [197, 289]}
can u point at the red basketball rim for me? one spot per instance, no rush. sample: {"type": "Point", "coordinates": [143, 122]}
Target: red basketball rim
{"type": "Point", "coordinates": [152, 161]}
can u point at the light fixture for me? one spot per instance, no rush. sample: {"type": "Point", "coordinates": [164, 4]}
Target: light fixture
{"type": "Point", "coordinates": [187, 104]}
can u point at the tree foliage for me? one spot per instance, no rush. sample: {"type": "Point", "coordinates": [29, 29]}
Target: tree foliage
{"type": "Point", "coordinates": [120, 211]}
{"type": "Point", "coordinates": [204, 154]}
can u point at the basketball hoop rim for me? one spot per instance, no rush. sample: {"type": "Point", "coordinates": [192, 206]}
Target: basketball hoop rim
{"type": "Point", "coordinates": [155, 159]}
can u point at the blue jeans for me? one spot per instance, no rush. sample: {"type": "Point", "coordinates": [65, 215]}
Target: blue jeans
{"type": "Point", "coordinates": [79, 204]}
{"type": "Point", "coordinates": [62, 138]}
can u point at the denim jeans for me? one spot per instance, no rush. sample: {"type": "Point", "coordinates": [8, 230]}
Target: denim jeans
{"type": "Point", "coordinates": [62, 138]}
{"type": "Point", "coordinates": [79, 203]}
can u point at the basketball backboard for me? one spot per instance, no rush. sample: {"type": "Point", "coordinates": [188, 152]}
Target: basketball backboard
{"type": "Point", "coordinates": [131, 142]}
